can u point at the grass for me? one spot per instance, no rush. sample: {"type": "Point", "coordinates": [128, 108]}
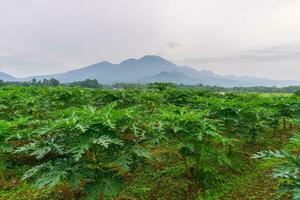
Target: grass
{"type": "Point", "coordinates": [253, 180]}
{"type": "Point", "coordinates": [275, 94]}
{"type": "Point", "coordinates": [25, 191]}
{"type": "Point", "coordinates": [253, 183]}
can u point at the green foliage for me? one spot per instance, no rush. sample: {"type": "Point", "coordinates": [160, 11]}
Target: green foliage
{"type": "Point", "coordinates": [288, 166]}
{"type": "Point", "coordinates": [88, 83]}
{"type": "Point", "coordinates": [96, 146]}
{"type": "Point", "coordinates": [26, 191]}
{"type": "Point", "coordinates": [98, 141]}
{"type": "Point", "coordinates": [161, 86]}
{"type": "Point", "coordinates": [196, 137]}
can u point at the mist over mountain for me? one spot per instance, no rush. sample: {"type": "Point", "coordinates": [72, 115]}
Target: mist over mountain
{"type": "Point", "coordinates": [7, 77]}
{"type": "Point", "coordinates": [152, 69]}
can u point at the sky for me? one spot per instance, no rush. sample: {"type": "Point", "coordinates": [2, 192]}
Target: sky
{"type": "Point", "coordinates": [243, 37]}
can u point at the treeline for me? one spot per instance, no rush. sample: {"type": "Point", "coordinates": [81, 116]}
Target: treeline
{"type": "Point", "coordinates": [88, 83]}
{"type": "Point", "coordinates": [93, 83]}
{"type": "Point", "coordinates": [33, 82]}
{"type": "Point", "coordinates": [262, 89]}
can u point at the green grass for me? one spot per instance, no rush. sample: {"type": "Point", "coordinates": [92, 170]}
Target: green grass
{"type": "Point", "coordinates": [253, 180]}
{"type": "Point", "coordinates": [275, 94]}
{"type": "Point", "coordinates": [25, 191]}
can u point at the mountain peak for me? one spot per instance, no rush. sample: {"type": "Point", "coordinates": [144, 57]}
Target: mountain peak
{"type": "Point", "coordinates": [128, 61]}
{"type": "Point", "coordinates": [147, 60]}
{"type": "Point", "coordinates": [153, 59]}
{"type": "Point", "coordinates": [104, 63]}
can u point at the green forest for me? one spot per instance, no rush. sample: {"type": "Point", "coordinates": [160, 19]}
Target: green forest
{"type": "Point", "coordinates": [157, 142]}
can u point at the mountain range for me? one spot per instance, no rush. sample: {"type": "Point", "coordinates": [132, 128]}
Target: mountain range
{"type": "Point", "coordinates": [153, 69]}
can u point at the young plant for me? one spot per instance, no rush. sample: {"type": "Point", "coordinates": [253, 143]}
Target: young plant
{"type": "Point", "coordinates": [197, 139]}
{"type": "Point", "coordinates": [88, 148]}
{"type": "Point", "coordinates": [288, 167]}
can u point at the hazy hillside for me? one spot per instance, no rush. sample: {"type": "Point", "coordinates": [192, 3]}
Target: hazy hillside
{"type": "Point", "coordinates": [171, 76]}
{"type": "Point", "coordinates": [6, 77]}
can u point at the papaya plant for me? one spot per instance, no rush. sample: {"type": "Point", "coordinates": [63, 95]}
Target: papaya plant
{"type": "Point", "coordinates": [88, 148]}
{"type": "Point", "coordinates": [287, 167]}
{"type": "Point", "coordinates": [195, 136]}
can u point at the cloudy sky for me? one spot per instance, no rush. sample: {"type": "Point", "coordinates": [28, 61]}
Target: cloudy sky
{"type": "Point", "coordinates": [243, 37]}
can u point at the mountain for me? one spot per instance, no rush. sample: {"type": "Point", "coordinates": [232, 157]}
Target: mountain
{"type": "Point", "coordinates": [171, 77]}
{"type": "Point", "coordinates": [6, 77]}
{"type": "Point", "coordinates": [90, 72]}
{"type": "Point", "coordinates": [154, 69]}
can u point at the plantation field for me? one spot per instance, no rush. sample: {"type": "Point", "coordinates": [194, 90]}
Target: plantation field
{"type": "Point", "coordinates": [275, 94]}
{"type": "Point", "coordinates": [159, 142]}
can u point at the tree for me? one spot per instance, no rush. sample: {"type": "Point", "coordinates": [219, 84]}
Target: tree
{"type": "Point", "coordinates": [51, 82]}
{"type": "Point", "coordinates": [162, 86]}
{"type": "Point", "coordinates": [33, 82]}
{"type": "Point", "coordinates": [89, 83]}
{"type": "Point", "coordinates": [297, 93]}
{"type": "Point", "coordinates": [2, 83]}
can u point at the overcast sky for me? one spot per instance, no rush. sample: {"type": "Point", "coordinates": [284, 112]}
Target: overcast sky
{"type": "Point", "coordinates": [243, 37]}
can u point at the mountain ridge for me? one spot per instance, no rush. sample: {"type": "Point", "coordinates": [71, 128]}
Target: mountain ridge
{"type": "Point", "coordinates": [6, 77]}
{"type": "Point", "coordinates": [151, 68]}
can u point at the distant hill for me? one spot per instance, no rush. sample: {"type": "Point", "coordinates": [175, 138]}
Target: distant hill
{"type": "Point", "coordinates": [6, 77]}
{"type": "Point", "coordinates": [153, 69]}
{"type": "Point", "coordinates": [171, 77]}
